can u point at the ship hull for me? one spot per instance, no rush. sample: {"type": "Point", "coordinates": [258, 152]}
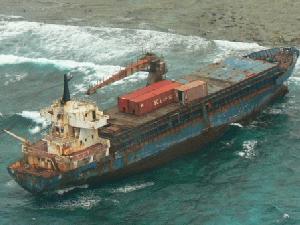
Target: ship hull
{"type": "Point", "coordinates": [168, 141]}
{"type": "Point", "coordinates": [192, 137]}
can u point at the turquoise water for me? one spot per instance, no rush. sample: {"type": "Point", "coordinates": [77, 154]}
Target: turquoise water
{"type": "Point", "coordinates": [249, 176]}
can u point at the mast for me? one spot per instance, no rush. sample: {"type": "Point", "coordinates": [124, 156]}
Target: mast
{"type": "Point", "coordinates": [66, 95]}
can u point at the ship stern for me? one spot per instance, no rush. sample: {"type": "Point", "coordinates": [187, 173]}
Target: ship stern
{"type": "Point", "coordinates": [35, 182]}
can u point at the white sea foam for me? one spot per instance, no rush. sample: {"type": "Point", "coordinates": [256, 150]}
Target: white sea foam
{"type": "Point", "coordinates": [33, 115]}
{"type": "Point", "coordinates": [248, 149]}
{"type": "Point", "coordinates": [228, 47]}
{"type": "Point", "coordinates": [37, 118]}
{"type": "Point", "coordinates": [2, 16]}
{"type": "Point", "coordinates": [84, 202]}
{"type": "Point", "coordinates": [237, 125]}
{"type": "Point", "coordinates": [102, 72]}
{"type": "Point", "coordinates": [297, 66]}
{"type": "Point", "coordinates": [286, 216]}
{"type": "Point", "coordinates": [66, 190]}
{"type": "Point", "coordinates": [275, 111]}
{"type": "Point", "coordinates": [35, 130]}
{"type": "Point", "coordinates": [96, 44]}
{"type": "Point", "coordinates": [86, 49]}
{"type": "Point", "coordinates": [131, 188]}
{"type": "Point", "coordinates": [133, 78]}
{"type": "Point", "coordinates": [11, 183]}
{"type": "Point", "coordinates": [84, 67]}
{"type": "Point", "coordinates": [8, 79]}
{"type": "Point", "coordinates": [92, 72]}
{"type": "Point", "coordinates": [238, 46]}
{"type": "Point", "coordinates": [294, 80]}
{"type": "Point", "coordinates": [80, 88]}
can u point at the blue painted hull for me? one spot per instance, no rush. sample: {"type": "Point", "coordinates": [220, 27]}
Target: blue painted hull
{"type": "Point", "coordinates": [193, 134]}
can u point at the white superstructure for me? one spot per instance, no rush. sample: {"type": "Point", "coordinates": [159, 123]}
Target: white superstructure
{"type": "Point", "coordinates": [74, 126]}
{"type": "Point", "coordinates": [73, 140]}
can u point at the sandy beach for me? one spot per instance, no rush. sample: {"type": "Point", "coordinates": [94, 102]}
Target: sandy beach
{"type": "Point", "coordinates": [267, 22]}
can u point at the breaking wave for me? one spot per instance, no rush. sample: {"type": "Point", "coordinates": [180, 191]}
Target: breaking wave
{"type": "Point", "coordinates": [238, 46]}
{"type": "Point", "coordinates": [63, 41]}
{"type": "Point", "coordinates": [228, 47]}
{"type": "Point", "coordinates": [70, 65]}
{"type": "Point", "coordinates": [297, 66]}
{"type": "Point", "coordinates": [35, 116]}
{"type": "Point", "coordinates": [97, 52]}
{"type": "Point", "coordinates": [294, 80]}
{"type": "Point", "coordinates": [91, 72]}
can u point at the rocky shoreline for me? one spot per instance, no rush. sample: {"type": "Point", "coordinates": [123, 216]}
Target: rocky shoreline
{"type": "Point", "coordinates": [270, 23]}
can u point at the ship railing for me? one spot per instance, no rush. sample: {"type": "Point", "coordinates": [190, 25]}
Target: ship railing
{"type": "Point", "coordinates": [151, 129]}
{"type": "Point", "coordinates": [271, 53]}
{"type": "Point", "coordinates": [38, 152]}
{"type": "Point", "coordinates": [247, 82]}
{"type": "Point", "coordinates": [240, 88]}
{"type": "Point", "coordinates": [184, 113]}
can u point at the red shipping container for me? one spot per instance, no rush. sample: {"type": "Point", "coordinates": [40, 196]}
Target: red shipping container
{"type": "Point", "coordinates": [191, 91]}
{"type": "Point", "coordinates": [151, 101]}
{"type": "Point", "coordinates": [123, 101]}
{"type": "Point", "coordinates": [141, 104]}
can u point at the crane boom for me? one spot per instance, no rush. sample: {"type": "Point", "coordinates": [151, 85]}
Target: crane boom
{"type": "Point", "coordinates": [142, 64]}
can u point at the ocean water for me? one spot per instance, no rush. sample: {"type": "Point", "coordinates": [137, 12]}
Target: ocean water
{"type": "Point", "coordinates": [249, 176]}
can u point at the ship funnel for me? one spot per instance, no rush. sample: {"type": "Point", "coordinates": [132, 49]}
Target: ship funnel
{"type": "Point", "coordinates": [66, 96]}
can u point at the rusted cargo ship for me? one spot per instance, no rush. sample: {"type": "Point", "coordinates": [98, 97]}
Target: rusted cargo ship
{"type": "Point", "coordinates": [151, 125]}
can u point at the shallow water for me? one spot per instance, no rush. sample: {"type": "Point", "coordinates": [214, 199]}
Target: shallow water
{"type": "Point", "coordinates": [249, 176]}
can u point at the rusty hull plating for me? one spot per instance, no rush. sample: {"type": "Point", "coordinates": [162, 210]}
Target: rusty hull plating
{"type": "Point", "coordinates": [86, 145]}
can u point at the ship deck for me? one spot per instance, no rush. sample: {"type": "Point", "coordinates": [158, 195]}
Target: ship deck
{"type": "Point", "coordinates": [218, 76]}
{"type": "Point", "coordinates": [119, 120]}
{"type": "Point", "coordinates": [125, 120]}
